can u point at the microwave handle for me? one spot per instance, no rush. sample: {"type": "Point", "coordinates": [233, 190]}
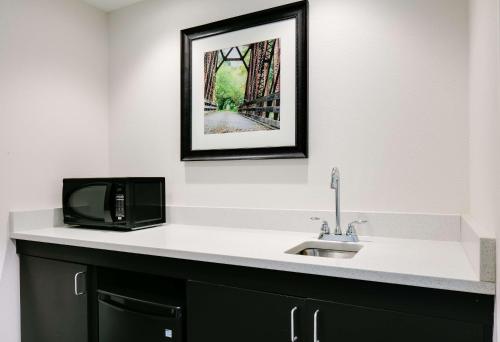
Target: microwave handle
{"type": "Point", "coordinates": [107, 203]}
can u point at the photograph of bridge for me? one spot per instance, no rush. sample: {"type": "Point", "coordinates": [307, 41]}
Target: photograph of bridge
{"type": "Point", "coordinates": [242, 88]}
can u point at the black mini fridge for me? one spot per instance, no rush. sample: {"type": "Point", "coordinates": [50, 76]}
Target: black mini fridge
{"type": "Point", "coordinates": [127, 319]}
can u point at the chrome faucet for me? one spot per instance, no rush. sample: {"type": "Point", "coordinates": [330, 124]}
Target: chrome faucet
{"type": "Point", "coordinates": [351, 235]}
{"type": "Point", "coordinates": [335, 185]}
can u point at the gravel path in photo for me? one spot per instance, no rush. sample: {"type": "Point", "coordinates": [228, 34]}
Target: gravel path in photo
{"type": "Point", "coordinates": [229, 122]}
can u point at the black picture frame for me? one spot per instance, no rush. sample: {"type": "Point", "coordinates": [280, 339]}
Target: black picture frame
{"type": "Point", "coordinates": [297, 11]}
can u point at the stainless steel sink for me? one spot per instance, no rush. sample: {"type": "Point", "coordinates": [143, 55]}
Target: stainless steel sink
{"type": "Point", "coordinates": [326, 249]}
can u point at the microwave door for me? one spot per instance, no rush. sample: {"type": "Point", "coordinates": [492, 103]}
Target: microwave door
{"type": "Point", "coordinates": [91, 202]}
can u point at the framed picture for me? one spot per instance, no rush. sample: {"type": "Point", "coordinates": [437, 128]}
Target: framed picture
{"type": "Point", "coordinates": [244, 86]}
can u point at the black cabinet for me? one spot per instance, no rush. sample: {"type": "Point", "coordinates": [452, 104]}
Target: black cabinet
{"type": "Point", "coordinates": [225, 303]}
{"type": "Point", "coordinates": [53, 301]}
{"type": "Point", "coordinates": [338, 322]}
{"type": "Point", "coordinates": [227, 314]}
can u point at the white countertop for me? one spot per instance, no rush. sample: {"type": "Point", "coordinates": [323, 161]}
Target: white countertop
{"type": "Point", "coordinates": [424, 263]}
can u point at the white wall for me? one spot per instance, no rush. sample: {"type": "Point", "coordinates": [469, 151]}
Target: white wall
{"type": "Point", "coordinates": [53, 116]}
{"type": "Point", "coordinates": [388, 105]}
{"type": "Point", "coordinates": [485, 117]}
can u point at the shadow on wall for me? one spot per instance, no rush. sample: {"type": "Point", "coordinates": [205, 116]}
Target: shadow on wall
{"type": "Point", "coordinates": [9, 293]}
{"type": "Point", "coordinates": [289, 171]}
{"type": "Point", "coordinates": [9, 279]}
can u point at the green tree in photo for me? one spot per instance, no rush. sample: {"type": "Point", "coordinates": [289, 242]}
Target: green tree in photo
{"type": "Point", "coordinates": [230, 86]}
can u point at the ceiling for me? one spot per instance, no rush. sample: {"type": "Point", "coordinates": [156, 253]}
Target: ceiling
{"type": "Point", "coordinates": [111, 5]}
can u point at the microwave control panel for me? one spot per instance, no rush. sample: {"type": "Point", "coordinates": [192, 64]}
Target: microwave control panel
{"type": "Point", "coordinates": [120, 204]}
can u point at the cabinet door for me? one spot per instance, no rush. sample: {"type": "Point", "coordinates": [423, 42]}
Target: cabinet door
{"type": "Point", "coordinates": [53, 301]}
{"type": "Point", "coordinates": [226, 314]}
{"type": "Point", "coordinates": [330, 322]}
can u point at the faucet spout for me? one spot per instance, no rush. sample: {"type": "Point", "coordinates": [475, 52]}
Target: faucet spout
{"type": "Point", "coordinates": [335, 185]}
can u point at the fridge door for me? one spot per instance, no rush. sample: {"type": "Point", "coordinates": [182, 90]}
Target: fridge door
{"type": "Point", "coordinates": [127, 319]}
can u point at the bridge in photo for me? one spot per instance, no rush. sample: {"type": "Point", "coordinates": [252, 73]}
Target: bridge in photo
{"type": "Point", "coordinates": [261, 106]}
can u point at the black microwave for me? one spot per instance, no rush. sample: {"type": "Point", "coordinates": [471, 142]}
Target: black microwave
{"type": "Point", "coordinates": [114, 203]}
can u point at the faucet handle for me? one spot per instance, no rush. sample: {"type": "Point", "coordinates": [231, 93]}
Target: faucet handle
{"type": "Point", "coordinates": [325, 228]}
{"type": "Point", "coordinates": [351, 227]}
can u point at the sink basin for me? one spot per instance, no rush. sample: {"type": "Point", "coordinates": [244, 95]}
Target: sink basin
{"type": "Point", "coordinates": [326, 249]}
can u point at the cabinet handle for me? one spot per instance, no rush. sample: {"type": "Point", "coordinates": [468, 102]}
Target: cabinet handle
{"type": "Point", "coordinates": [293, 338]}
{"type": "Point", "coordinates": [77, 292]}
{"type": "Point", "coordinates": [315, 331]}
